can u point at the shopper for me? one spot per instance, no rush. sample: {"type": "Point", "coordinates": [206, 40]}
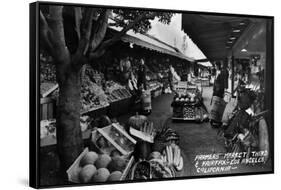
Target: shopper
{"type": "Point", "coordinates": [171, 78]}
{"type": "Point", "coordinates": [219, 84]}
{"type": "Point", "coordinates": [142, 75]}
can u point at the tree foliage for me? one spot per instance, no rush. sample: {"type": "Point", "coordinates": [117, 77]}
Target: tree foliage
{"type": "Point", "coordinates": [126, 16]}
{"type": "Point", "coordinates": [85, 27]}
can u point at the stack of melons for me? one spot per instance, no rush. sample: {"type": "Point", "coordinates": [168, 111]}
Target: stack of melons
{"type": "Point", "coordinates": [101, 167]}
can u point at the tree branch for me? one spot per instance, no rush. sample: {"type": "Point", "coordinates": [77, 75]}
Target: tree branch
{"type": "Point", "coordinates": [45, 35]}
{"type": "Point", "coordinates": [86, 27]}
{"type": "Point", "coordinates": [58, 40]}
{"type": "Point", "coordinates": [101, 49]}
{"type": "Point", "coordinates": [78, 18]}
{"type": "Point", "coordinates": [99, 29]}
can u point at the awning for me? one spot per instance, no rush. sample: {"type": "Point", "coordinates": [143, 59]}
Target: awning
{"type": "Point", "coordinates": [152, 46]}
{"type": "Point", "coordinates": [214, 35]}
{"type": "Point", "coordinates": [205, 64]}
{"type": "Point", "coordinates": [152, 43]}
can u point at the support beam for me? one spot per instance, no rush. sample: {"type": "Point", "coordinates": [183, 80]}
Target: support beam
{"type": "Point", "coordinates": [269, 81]}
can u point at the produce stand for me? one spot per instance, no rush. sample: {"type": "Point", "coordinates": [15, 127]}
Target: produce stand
{"type": "Point", "coordinates": [187, 103]}
{"type": "Point", "coordinates": [107, 142]}
{"type": "Point", "coordinates": [160, 164]}
{"type": "Point", "coordinates": [75, 168]}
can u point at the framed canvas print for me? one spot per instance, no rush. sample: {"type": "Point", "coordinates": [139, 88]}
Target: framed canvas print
{"type": "Point", "coordinates": [121, 94]}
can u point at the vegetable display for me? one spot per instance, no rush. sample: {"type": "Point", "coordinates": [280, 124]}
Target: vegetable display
{"type": "Point", "coordinates": [187, 104]}
{"type": "Point", "coordinates": [92, 95]}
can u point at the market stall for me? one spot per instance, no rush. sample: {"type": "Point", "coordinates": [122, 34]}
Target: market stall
{"type": "Point", "coordinates": [187, 103]}
{"type": "Point", "coordinates": [140, 154]}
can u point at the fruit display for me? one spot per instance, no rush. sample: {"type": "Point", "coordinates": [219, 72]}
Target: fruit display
{"type": "Point", "coordinates": [117, 164]}
{"type": "Point", "coordinates": [160, 170]}
{"type": "Point", "coordinates": [92, 95]}
{"type": "Point", "coordinates": [187, 105]}
{"type": "Point", "coordinates": [115, 176]}
{"type": "Point", "coordinates": [89, 158]}
{"type": "Point", "coordinates": [101, 175]}
{"type": "Point", "coordinates": [95, 92]}
{"type": "Point", "coordinates": [159, 165]}
{"type": "Point", "coordinates": [188, 99]}
{"type": "Point", "coordinates": [86, 173]}
{"type": "Point", "coordinates": [47, 69]}
{"type": "Point", "coordinates": [118, 94]}
{"type": "Point", "coordinates": [141, 170]}
{"type": "Point", "coordinates": [103, 161]}
{"type": "Point", "coordinates": [94, 167]}
{"type": "Point", "coordinates": [172, 156]}
{"type": "Point", "coordinates": [189, 112]}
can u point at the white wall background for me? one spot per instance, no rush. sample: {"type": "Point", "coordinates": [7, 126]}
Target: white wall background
{"type": "Point", "coordinates": [173, 35]}
{"type": "Point", "coordinates": [14, 79]}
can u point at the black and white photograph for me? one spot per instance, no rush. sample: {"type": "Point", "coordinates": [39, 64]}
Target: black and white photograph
{"type": "Point", "coordinates": [123, 94]}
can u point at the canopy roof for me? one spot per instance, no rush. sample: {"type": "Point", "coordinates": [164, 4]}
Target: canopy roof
{"type": "Point", "coordinates": [214, 35]}
{"type": "Point", "coordinates": [152, 43]}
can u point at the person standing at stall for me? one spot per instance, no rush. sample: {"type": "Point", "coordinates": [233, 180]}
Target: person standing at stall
{"type": "Point", "coordinates": [217, 101]}
{"type": "Point", "coordinates": [219, 83]}
{"type": "Point", "coordinates": [142, 75]}
{"type": "Point", "coordinates": [145, 93]}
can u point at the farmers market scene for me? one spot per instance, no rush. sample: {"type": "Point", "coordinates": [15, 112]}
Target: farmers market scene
{"type": "Point", "coordinates": [142, 95]}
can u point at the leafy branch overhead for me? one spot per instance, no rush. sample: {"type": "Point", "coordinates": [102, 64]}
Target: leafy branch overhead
{"type": "Point", "coordinates": [80, 32]}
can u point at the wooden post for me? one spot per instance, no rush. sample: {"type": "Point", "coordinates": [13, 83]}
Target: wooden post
{"type": "Point", "coordinates": [232, 75]}
{"type": "Point", "coordinates": [269, 80]}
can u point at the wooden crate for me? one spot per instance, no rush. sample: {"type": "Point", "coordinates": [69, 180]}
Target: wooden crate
{"type": "Point", "coordinates": [105, 133]}
{"type": "Point", "coordinates": [75, 168]}
{"type": "Point", "coordinates": [47, 108]}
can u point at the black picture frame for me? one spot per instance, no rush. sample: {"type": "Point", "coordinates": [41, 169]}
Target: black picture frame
{"type": "Point", "coordinates": [34, 116]}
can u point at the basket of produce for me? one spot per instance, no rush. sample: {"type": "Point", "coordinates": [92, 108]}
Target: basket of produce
{"type": "Point", "coordinates": [167, 164]}
{"type": "Point", "coordinates": [112, 140]}
{"type": "Point", "coordinates": [91, 167]}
